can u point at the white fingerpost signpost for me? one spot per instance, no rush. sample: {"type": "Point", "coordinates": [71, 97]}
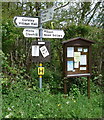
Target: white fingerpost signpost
{"type": "Point", "coordinates": [26, 21]}
{"type": "Point", "coordinates": [31, 30]}
{"type": "Point", "coordinates": [48, 33]}
{"type": "Point", "coordinates": [47, 15]}
{"type": "Point", "coordinates": [45, 33]}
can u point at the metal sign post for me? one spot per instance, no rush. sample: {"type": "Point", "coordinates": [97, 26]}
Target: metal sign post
{"type": "Point", "coordinates": [40, 65]}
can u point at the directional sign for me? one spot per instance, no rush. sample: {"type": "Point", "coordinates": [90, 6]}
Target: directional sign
{"type": "Point", "coordinates": [33, 33]}
{"type": "Point", "coordinates": [25, 21]}
{"type": "Point", "coordinates": [48, 33]}
{"type": "Point", "coordinates": [47, 15]}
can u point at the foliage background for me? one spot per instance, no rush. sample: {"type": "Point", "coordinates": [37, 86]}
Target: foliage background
{"type": "Point", "coordinates": [19, 74]}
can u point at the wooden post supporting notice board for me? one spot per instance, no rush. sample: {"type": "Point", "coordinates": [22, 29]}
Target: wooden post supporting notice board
{"type": "Point", "coordinates": [88, 87]}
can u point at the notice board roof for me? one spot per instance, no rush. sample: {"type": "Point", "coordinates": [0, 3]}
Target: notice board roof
{"type": "Point", "coordinates": [78, 38]}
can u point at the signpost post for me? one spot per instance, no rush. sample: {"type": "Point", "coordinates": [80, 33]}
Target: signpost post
{"type": "Point", "coordinates": [40, 65]}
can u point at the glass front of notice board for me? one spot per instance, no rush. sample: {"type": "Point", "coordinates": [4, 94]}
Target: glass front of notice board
{"type": "Point", "coordinates": [77, 59]}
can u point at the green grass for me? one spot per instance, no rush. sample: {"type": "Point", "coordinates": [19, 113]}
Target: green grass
{"type": "Point", "coordinates": [22, 102]}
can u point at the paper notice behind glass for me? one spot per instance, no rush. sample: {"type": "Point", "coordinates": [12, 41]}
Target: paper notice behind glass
{"type": "Point", "coordinates": [76, 65]}
{"type": "Point", "coordinates": [70, 51]}
{"type": "Point", "coordinates": [77, 56]}
{"type": "Point", "coordinates": [79, 49]}
{"type": "Point", "coordinates": [44, 51]}
{"type": "Point", "coordinates": [83, 60]}
{"type": "Point", "coordinates": [69, 65]}
{"type": "Point", "coordinates": [35, 50]}
{"type": "Point", "coordinates": [85, 50]}
{"type": "Point", "coordinates": [82, 68]}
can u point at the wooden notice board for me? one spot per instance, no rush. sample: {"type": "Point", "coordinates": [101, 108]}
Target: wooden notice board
{"type": "Point", "coordinates": [77, 57]}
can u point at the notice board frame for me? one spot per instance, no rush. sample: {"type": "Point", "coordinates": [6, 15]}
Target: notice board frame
{"type": "Point", "coordinates": [77, 42]}
{"type": "Point", "coordinates": [83, 43]}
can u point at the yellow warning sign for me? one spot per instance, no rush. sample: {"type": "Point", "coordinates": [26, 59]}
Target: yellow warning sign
{"type": "Point", "coordinates": [40, 70]}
